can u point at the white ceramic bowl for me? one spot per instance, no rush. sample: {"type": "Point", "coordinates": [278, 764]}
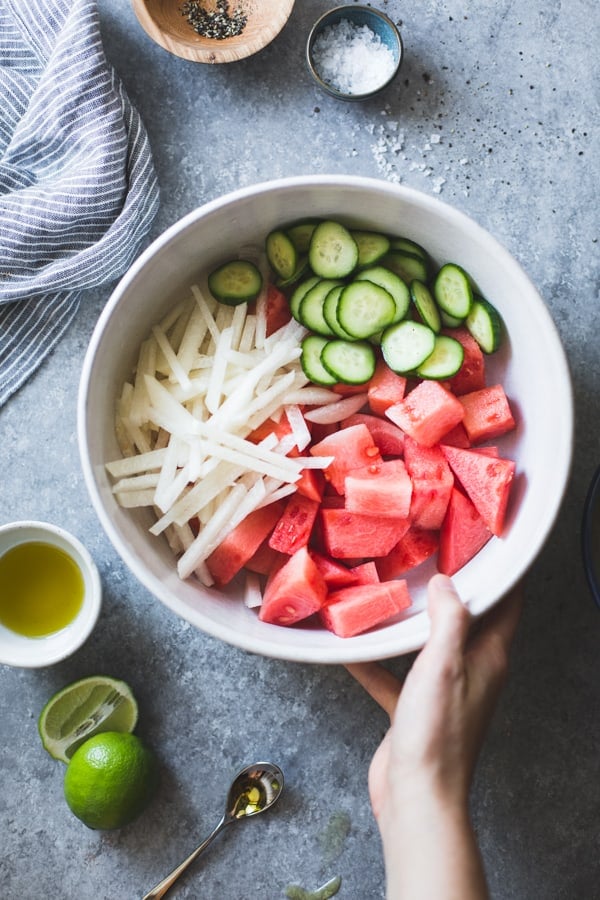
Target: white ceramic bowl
{"type": "Point", "coordinates": [35, 652]}
{"type": "Point", "coordinates": [531, 365]}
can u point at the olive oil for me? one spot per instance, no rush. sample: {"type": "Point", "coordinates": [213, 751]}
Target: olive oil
{"type": "Point", "coordinates": [41, 589]}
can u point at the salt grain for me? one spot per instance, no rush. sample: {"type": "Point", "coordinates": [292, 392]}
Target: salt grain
{"type": "Point", "coordinates": [352, 58]}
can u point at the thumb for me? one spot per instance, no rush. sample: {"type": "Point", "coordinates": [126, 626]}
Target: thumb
{"type": "Point", "coordinates": [450, 619]}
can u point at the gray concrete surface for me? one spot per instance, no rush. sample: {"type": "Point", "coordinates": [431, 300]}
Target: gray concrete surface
{"type": "Point", "coordinates": [510, 90]}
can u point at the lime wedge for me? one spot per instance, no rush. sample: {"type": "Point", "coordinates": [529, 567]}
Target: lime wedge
{"type": "Point", "coordinates": [82, 709]}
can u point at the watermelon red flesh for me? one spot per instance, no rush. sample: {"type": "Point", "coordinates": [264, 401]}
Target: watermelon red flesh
{"type": "Point", "coordinates": [471, 375]}
{"type": "Point", "coordinates": [294, 528]}
{"type": "Point", "coordinates": [388, 437]}
{"type": "Point", "coordinates": [349, 535]}
{"type": "Point", "coordinates": [265, 560]}
{"type": "Point", "coordinates": [417, 545]}
{"type": "Point", "coordinates": [311, 482]}
{"type": "Point", "coordinates": [351, 448]}
{"type": "Point", "coordinates": [334, 573]}
{"type": "Point", "coordinates": [240, 544]}
{"type": "Point", "coordinates": [486, 480]}
{"type": "Point", "coordinates": [353, 610]}
{"type": "Point", "coordinates": [462, 534]}
{"type": "Point", "coordinates": [294, 592]}
{"type": "Point", "coordinates": [385, 388]}
{"type": "Point", "coordinates": [432, 482]}
{"type": "Point", "coordinates": [487, 414]}
{"type": "Point", "coordinates": [365, 573]}
{"type": "Point", "coordinates": [457, 437]}
{"type": "Point", "coordinates": [277, 310]}
{"type": "Point", "coordinates": [383, 490]}
{"type": "Point", "coordinates": [427, 413]}
{"type": "Point", "coordinates": [280, 429]}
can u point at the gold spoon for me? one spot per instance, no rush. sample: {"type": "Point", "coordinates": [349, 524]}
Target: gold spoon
{"type": "Point", "coordinates": [253, 790]}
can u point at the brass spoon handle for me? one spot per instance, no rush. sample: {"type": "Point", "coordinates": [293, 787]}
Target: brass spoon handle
{"type": "Point", "coordinates": [161, 889]}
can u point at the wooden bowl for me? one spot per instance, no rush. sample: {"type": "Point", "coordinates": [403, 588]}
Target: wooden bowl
{"type": "Point", "coordinates": [165, 23]}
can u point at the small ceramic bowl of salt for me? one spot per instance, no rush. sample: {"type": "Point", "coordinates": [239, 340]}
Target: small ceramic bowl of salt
{"type": "Point", "coordinates": [353, 52]}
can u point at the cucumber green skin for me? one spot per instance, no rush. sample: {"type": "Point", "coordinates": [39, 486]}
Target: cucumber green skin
{"type": "Point", "coordinates": [310, 360]}
{"type": "Point", "coordinates": [300, 233]}
{"type": "Point", "coordinates": [350, 363]}
{"type": "Point", "coordinates": [410, 335]}
{"type": "Point", "coordinates": [333, 252]}
{"type": "Point", "coordinates": [425, 305]}
{"type": "Point", "coordinates": [235, 282]}
{"type": "Point", "coordinates": [281, 253]}
{"type": "Point", "coordinates": [484, 324]}
{"type": "Point", "coordinates": [392, 283]}
{"type": "Point", "coordinates": [445, 360]}
{"type": "Point", "coordinates": [452, 290]}
{"type": "Point", "coordinates": [408, 266]}
{"type": "Point", "coordinates": [353, 306]}
{"type": "Point", "coordinates": [408, 246]}
{"type": "Point", "coordinates": [330, 313]}
{"type": "Point", "coordinates": [310, 309]}
{"type": "Point", "coordinates": [372, 246]}
{"type": "Point", "coordinates": [299, 293]}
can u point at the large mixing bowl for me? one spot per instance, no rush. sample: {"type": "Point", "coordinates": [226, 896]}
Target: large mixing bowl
{"type": "Point", "coordinates": [531, 365]}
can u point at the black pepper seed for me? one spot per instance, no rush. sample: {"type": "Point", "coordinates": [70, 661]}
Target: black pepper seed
{"type": "Point", "coordinates": [218, 24]}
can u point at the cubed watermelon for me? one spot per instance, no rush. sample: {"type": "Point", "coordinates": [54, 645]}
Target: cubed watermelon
{"type": "Point", "coordinates": [295, 525]}
{"type": "Point", "coordinates": [427, 413]}
{"type": "Point", "coordinates": [462, 534]}
{"type": "Point", "coordinates": [388, 437]}
{"type": "Point", "coordinates": [471, 375]}
{"type": "Point", "coordinates": [335, 574]}
{"type": "Point", "coordinates": [487, 414]}
{"type": "Point", "coordinates": [311, 483]}
{"type": "Point", "coordinates": [265, 560]}
{"type": "Point", "coordinates": [365, 573]}
{"type": "Point", "coordinates": [457, 437]}
{"type": "Point", "coordinates": [294, 592]}
{"type": "Point", "coordinates": [432, 482]}
{"type": "Point", "coordinates": [385, 388]}
{"type": "Point", "coordinates": [351, 448]}
{"type": "Point", "coordinates": [277, 309]}
{"type": "Point", "coordinates": [349, 535]}
{"type": "Point", "coordinates": [353, 610]}
{"type": "Point", "coordinates": [486, 481]}
{"type": "Point", "coordinates": [240, 544]}
{"type": "Point", "coordinates": [417, 545]}
{"type": "Point", "coordinates": [379, 490]}
{"type": "Point", "coordinates": [280, 429]}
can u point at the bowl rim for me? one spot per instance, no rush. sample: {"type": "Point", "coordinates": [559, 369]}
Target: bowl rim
{"type": "Point", "coordinates": [345, 651]}
{"type": "Point", "coordinates": [322, 22]}
{"type": "Point", "coordinates": [591, 502]}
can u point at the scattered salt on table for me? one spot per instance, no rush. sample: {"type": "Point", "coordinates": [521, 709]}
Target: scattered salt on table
{"type": "Point", "coordinates": [352, 58]}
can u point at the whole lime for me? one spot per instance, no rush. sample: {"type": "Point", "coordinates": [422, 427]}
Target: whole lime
{"type": "Point", "coordinates": [110, 779]}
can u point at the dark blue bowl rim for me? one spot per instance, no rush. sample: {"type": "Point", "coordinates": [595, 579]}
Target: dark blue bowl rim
{"type": "Point", "coordinates": [591, 501]}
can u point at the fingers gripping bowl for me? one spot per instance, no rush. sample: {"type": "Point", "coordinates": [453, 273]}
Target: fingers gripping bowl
{"type": "Point", "coordinates": [531, 365]}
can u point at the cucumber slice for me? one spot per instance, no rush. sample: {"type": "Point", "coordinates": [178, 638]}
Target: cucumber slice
{"type": "Point", "coordinates": [450, 321]}
{"type": "Point", "coordinates": [310, 311]}
{"type": "Point", "coordinates": [300, 233]}
{"type": "Point", "coordinates": [426, 305]}
{"type": "Point", "coordinates": [392, 283]}
{"type": "Point", "coordinates": [299, 292]}
{"type": "Point", "coordinates": [364, 308]}
{"type": "Point", "coordinates": [406, 345]}
{"type": "Point", "coordinates": [485, 325]}
{"type": "Point", "coordinates": [409, 266]}
{"type": "Point", "coordinates": [333, 252]}
{"type": "Point", "coordinates": [310, 360]}
{"type": "Point", "coordinates": [445, 360]}
{"type": "Point", "coordinates": [408, 246]}
{"type": "Point", "coordinates": [330, 312]}
{"type": "Point", "coordinates": [351, 363]}
{"type": "Point", "coordinates": [281, 253]}
{"type": "Point", "coordinates": [235, 282]}
{"type": "Point", "coordinates": [452, 290]}
{"type": "Point", "coordinates": [371, 246]}
{"type": "Point", "coordinates": [302, 268]}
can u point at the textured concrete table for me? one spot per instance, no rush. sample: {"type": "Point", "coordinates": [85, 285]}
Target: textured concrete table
{"type": "Point", "coordinates": [495, 111]}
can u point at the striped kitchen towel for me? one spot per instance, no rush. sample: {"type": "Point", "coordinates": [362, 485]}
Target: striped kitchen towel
{"type": "Point", "coordinates": [78, 190]}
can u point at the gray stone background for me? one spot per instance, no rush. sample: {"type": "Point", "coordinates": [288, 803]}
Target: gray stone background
{"type": "Point", "coordinates": [496, 110]}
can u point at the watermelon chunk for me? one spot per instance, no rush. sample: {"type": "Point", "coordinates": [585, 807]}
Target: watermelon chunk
{"type": "Point", "coordinates": [353, 610]}
{"type": "Point", "coordinates": [382, 490]}
{"type": "Point", "coordinates": [417, 545]}
{"type": "Point", "coordinates": [365, 573]}
{"type": "Point", "coordinates": [432, 482]}
{"type": "Point", "coordinates": [471, 375]}
{"type": "Point", "coordinates": [487, 413]}
{"type": "Point", "coordinates": [462, 534]}
{"type": "Point", "coordinates": [295, 525]}
{"type": "Point", "coordinates": [335, 574]}
{"type": "Point", "coordinates": [280, 429]}
{"type": "Point", "coordinates": [240, 544]}
{"type": "Point", "coordinates": [457, 437]}
{"type": "Point", "coordinates": [385, 388]}
{"type": "Point", "coordinates": [388, 437]}
{"type": "Point", "coordinates": [294, 592]}
{"type": "Point", "coordinates": [277, 310]}
{"type": "Point", "coordinates": [349, 535]}
{"type": "Point", "coordinates": [486, 481]}
{"type": "Point", "coordinates": [427, 413]}
{"type": "Point", "coordinates": [351, 448]}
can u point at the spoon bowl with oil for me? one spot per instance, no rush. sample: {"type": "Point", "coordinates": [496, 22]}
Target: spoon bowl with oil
{"type": "Point", "coordinates": [253, 790]}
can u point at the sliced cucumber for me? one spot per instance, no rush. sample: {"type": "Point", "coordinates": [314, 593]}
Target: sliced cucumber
{"type": "Point", "coordinates": [299, 292]}
{"type": "Point", "coordinates": [310, 310]}
{"type": "Point", "coordinates": [371, 246]}
{"type": "Point", "coordinates": [406, 345]}
{"type": "Point", "coordinates": [300, 233]}
{"type": "Point", "coordinates": [452, 290]}
{"type": "Point", "coordinates": [302, 269]}
{"type": "Point", "coordinates": [364, 308]}
{"type": "Point", "coordinates": [485, 325]}
{"type": "Point", "coordinates": [235, 282]}
{"type": "Point", "coordinates": [444, 361]}
{"type": "Point", "coordinates": [425, 305]}
{"type": "Point", "coordinates": [330, 312]}
{"type": "Point", "coordinates": [408, 246]}
{"type": "Point", "coordinates": [409, 266]}
{"type": "Point", "coordinates": [281, 253]}
{"type": "Point", "coordinates": [310, 360]}
{"type": "Point", "coordinates": [351, 363]}
{"type": "Point", "coordinates": [392, 283]}
{"type": "Point", "coordinates": [450, 321]}
{"type": "Point", "coordinates": [333, 252]}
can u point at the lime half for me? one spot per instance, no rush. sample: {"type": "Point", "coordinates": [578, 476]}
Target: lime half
{"type": "Point", "coordinates": [82, 709]}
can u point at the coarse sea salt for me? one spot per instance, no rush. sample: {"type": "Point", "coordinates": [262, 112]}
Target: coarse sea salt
{"type": "Point", "coordinates": [352, 58]}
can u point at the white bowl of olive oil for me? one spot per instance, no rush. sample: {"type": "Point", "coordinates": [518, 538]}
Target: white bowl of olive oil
{"type": "Point", "coordinates": [50, 594]}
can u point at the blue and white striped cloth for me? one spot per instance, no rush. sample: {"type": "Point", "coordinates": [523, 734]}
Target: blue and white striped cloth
{"type": "Point", "coordinates": [78, 190]}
